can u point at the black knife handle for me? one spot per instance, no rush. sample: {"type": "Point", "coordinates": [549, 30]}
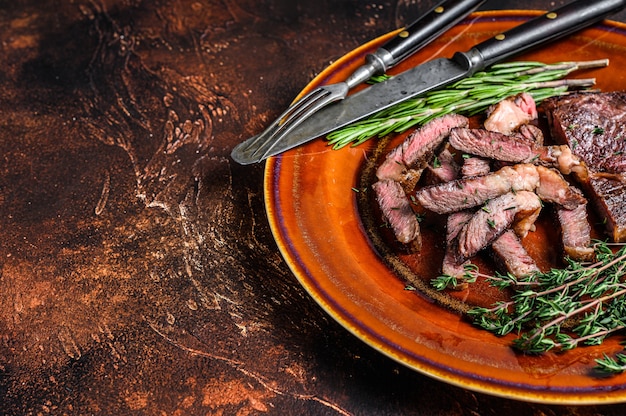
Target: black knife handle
{"type": "Point", "coordinates": [542, 29]}
{"type": "Point", "coordinates": [419, 33]}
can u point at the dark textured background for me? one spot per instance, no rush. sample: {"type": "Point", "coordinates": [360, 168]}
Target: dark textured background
{"type": "Point", "coordinates": [138, 274]}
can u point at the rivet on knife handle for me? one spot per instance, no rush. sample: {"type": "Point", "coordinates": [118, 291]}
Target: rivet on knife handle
{"type": "Point", "coordinates": [543, 29]}
{"type": "Point", "coordinates": [423, 31]}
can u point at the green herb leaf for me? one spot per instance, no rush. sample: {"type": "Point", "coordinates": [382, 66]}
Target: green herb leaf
{"type": "Point", "coordinates": [592, 295]}
{"type": "Point", "coordinates": [468, 96]}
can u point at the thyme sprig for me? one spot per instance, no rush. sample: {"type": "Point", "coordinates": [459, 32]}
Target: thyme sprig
{"type": "Point", "coordinates": [468, 96]}
{"type": "Point", "coordinates": [561, 309]}
{"type": "Point", "coordinates": [611, 365]}
{"type": "Point", "coordinates": [470, 274]}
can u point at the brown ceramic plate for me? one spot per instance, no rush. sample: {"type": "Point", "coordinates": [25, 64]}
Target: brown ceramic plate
{"type": "Point", "coordinates": [322, 232]}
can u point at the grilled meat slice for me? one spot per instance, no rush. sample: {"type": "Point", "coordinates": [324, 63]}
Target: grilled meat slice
{"type": "Point", "coordinates": [493, 145]}
{"type": "Point", "coordinates": [443, 168]}
{"type": "Point", "coordinates": [531, 133]}
{"type": "Point", "coordinates": [594, 127]}
{"type": "Point", "coordinates": [471, 192]}
{"type": "Point", "coordinates": [452, 264]}
{"type": "Point", "coordinates": [576, 232]}
{"type": "Point", "coordinates": [508, 115]}
{"type": "Point", "coordinates": [507, 249]}
{"type": "Point", "coordinates": [514, 149]}
{"type": "Point", "coordinates": [512, 256]}
{"type": "Point", "coordinates": [393, 168]}
{"type": "Point", "coordinates": [593, 124]}
{"type": "Point", "coordinates": [418, 148]}
{"type": "Point", "coordinates": [396, 208]}
{"type": "Point", "coordinates": [518, 210]}
{"type": "Point", "coordinates": [475, 166]}
{"type": "Point", "coordinates": [554, 188]}
{"type": "Point", "coordinates": [607, 195]}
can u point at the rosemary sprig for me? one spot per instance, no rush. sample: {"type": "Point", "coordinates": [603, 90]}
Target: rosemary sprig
{"type": "Point", "coordinates": [590, 297]}
{"type": "Point", "coordinates": [468, 96]}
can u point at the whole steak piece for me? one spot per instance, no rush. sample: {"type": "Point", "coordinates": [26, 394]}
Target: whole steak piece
{"type": "Point", "coordinates": [594, 127]}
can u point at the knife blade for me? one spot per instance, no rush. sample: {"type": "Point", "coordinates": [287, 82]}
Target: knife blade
{"type": "Point", "coordinates": [440, 72]}
{"type": "Point", "coordinates": [422, 31]}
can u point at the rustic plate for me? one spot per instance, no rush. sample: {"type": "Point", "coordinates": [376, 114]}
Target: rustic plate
{"type": "Point", "coordinates": [321, 231]}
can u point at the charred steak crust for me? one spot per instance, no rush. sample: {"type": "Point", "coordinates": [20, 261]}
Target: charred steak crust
{"type": "Point", "coordinates": [594, 127]}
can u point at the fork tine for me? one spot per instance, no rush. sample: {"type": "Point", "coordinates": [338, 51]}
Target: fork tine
{"type": "Point", "coordinates": [293, 116]}
{"type": "Point", "coordinates": [269, 131]}
{"type": "Point", "coordinates": [293, 122]}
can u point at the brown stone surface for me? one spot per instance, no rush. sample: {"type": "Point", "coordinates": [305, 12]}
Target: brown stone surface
{"type": "Point", "coordinates": [138, 274]}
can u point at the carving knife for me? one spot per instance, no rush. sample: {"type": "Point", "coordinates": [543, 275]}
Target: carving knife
{"type": "Point", "coordinates": [410, 39]}
{"type": "Point", "coordinates": [441, 72]}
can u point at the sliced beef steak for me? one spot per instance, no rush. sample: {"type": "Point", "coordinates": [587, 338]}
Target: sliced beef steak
{"type": "Point", "coordinates": [518, 210]}
{"type": "Point", "coordinates": [493, 145]}
{"type": "Point", "coordinates": [531, 133]}
{"type": "Point", "coordinates": [397, 210]}
{"type": "Point", "coordinates": [413, 155]}
{"type": "Point", "coordinates": [514, 149]}
{"type": "Point", "coordinates": [507, 249]}
{"type": "Point", "coordinates": [443, 167]}
{"type": "Point", "coordinates": [471, 192]}
{"type": "Point", "coordinates": [576, 233]}
{"type": "Point", "coordinates": [512, 256]}
{"type": "Point", "coordinates": [554, 188]}
{"type": "Point", "coordinates": [509, 114]}
{"type": "Point", "coordinates": [594, 127]}
{"type": "Point", "coordinates": [475, 166]}
{"type": "Point", "coordinates": [452, 264]}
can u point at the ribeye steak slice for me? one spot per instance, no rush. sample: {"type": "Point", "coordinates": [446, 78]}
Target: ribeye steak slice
{"type": "Point", "coordinates": [594, 127]}
{"type": "Point", "coordinates": [397, 210]}
{"type": "Point", "coordinates": [406, 161]}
